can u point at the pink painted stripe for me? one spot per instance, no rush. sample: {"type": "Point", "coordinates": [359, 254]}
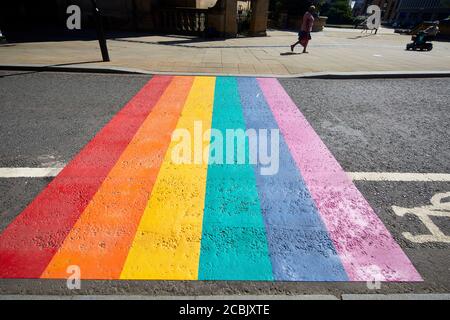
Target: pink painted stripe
{"type": "Point", "coordinates": [366, 248]}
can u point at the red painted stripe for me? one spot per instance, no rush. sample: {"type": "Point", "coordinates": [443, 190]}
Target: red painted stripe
{"type": "Point", "coordinates": [31, 240]}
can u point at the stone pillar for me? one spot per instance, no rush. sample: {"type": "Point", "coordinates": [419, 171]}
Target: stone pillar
{"type": "Point", "coordinates": [258, 24]}
{"type": "Point", "coordinates": [222, 18]}
{"type": "Point", "coordinates": [143, 15]}
{"type": "Point", "coordinates": [230, 18]}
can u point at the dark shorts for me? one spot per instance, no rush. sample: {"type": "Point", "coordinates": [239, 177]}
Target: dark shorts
{"type": "Point", "coordinates": [304, 35]}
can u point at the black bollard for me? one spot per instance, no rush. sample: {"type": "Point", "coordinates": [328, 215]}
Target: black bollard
{"type": "Point", "coordinates": [100, 31]}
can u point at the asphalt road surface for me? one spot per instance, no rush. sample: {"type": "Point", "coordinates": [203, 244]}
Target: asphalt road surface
{"type": "Point", "coordinates": [370, 126]}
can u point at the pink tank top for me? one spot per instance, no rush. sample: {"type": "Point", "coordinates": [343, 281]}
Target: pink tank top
{"type": "Point", "coordinates": [307, 22]}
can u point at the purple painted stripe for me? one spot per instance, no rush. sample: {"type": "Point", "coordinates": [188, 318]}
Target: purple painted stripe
{"type": "Point", "coordinates": [367, 249]}
{"type": "Point", "coordinates": [299, 245]}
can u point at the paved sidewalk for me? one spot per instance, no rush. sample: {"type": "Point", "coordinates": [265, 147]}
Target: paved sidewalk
{"type": "Point", "coordinates": [333, 50]}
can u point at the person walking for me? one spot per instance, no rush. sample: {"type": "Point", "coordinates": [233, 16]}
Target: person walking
{"type": "Point", "coordinates": [305, 31]}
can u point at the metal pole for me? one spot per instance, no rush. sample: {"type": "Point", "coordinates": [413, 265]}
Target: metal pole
{"type": "Point", "coordinates": [100, 31]}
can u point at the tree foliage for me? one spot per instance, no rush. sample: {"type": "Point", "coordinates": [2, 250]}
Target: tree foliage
{"type": "Point", "coordinates": [293, 7]}
{"type": "Point", "coordinates": [338, 11]}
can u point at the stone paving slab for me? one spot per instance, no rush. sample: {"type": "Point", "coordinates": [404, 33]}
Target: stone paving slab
{"type": "Point", "coordinates": [425, 296]}
{"type": "Point", "coordinates": [149, 297]}
{"type": "Point", "coordinates": [333, 50]}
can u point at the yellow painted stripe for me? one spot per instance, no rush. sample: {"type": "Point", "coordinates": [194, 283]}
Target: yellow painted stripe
{"type": "Point", "coordinates": [167, 242]}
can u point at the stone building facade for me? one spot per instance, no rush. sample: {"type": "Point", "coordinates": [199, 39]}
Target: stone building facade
{"type": "Point", "coordinates": [411, 12]}
{"type": "Point", "coordinates": [215, 17]}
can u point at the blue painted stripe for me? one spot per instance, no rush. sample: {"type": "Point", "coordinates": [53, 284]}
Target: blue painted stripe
{"type": "Point", "coordinates": [299, 244]}
{"type": "Point", "coordinates": [234, 243]}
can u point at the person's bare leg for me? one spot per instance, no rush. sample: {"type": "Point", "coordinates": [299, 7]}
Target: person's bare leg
{"type": "Point", "coordinates": [293, 46]}
{"type": "Point", "coordinates": [304, 48]}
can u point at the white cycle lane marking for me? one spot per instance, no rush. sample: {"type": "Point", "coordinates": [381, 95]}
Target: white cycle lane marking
{"type": "Point", "coordinates": [438, 208]}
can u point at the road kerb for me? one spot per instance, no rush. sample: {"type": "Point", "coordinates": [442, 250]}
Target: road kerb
{"type": "Point", "coordinates": [312, 75]}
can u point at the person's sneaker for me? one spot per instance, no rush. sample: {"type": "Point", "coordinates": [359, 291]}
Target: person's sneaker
{"type": "Point", "coordinates": [292, 48]}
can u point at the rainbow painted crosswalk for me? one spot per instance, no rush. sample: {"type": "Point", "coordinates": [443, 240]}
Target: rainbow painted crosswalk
{"type": "Point", "coordinates": [123, 209]}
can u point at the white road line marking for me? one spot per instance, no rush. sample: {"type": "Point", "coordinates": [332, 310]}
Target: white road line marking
{"type": "Point", "coordinates": [356, 176]}
{"type": "Point", "coordinates": [29, 172]}
{"type": "Point", "coordinates": [399, 176]}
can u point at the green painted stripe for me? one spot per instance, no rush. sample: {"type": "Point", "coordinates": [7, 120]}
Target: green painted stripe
{"type": "Point", "coordinates": [234, 243]}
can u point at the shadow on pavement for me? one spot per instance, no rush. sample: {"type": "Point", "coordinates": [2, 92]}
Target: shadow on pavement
{"type": "Point", "coordinates": [88, 34]}
{"type": "Point", "coordinates": [20, 73]}
{"type": "Point", "coordinates": [185, 44]}
{"type": "Point", "coordinates": [361, 36]}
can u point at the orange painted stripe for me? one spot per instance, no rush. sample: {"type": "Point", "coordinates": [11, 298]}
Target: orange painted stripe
{"type": "Point", "coordinates": [101, 238]}
{"type": "Point", "coordinates": [29, 243]}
